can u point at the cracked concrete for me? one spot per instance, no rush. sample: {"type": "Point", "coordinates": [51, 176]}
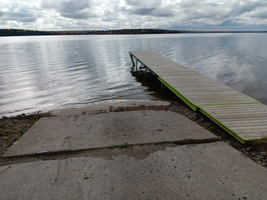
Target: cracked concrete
{"type": "Point", "coordinates": [90, 131]}
{"type": "Point", "coordinates": [202, 171]}
{"type": "Point", "coordinates": [141, 154]}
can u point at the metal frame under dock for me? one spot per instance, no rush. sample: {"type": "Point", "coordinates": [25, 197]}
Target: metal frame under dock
{"type": "Point", "coordinates": [240, 115]}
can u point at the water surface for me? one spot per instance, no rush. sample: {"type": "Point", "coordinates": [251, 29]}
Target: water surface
{"type": "Point", "coordinates": [41, 73]}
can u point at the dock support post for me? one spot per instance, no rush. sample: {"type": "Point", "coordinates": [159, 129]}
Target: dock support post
{"type": "Point", "coordinates": [145, 73]}
{"type": "Point", "coordinates": [132, 59]}
{"type": "Point", "coordinates": [131, 55]}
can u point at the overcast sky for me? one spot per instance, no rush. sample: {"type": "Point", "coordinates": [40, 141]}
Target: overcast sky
{"type": "Point", "coordinates": [120, 14]}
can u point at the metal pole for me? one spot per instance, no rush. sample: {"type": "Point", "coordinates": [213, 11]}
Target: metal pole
{"type": "Point", "coordinates": [132, 60]}
{"type": "Point", "coordinates": [145, 73]}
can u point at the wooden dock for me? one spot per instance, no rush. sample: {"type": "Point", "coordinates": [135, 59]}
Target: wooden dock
{"type": "Point", "coordinates": [240, 115]}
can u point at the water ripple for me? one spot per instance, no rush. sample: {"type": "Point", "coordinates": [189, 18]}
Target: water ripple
{"type": "Point", "coordinates": [43, 73]}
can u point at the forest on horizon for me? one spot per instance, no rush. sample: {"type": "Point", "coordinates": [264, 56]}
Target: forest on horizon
{"type": "Point", "coordinates": [22, 32]}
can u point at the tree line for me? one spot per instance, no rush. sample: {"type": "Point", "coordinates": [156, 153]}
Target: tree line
{"type": "Point", "coordinates": [21, 32]}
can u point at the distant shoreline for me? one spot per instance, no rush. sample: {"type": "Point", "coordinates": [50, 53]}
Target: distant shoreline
{"type": "Point", "coordinates": [21, 32]}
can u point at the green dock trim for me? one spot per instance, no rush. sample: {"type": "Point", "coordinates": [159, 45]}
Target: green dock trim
{"type": "Point", "coordinates": [177, 93]}
{"type": "Point", "coordinates": [199, 107]}
{"type": "Point", "coordinates": [229, 130]}
{"type": "Point", "coordinates": [182, 97]}
{"type": "Point", "coordinates": [223, 126]}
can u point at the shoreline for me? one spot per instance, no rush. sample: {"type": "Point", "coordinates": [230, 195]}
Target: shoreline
{"type": "Point", "coordinates": [23, 32]}
{"type": "Point", "coordinates": [12, 128]}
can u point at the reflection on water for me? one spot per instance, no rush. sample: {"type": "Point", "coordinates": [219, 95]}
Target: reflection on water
{"type": "Point", "coordinates": [238, 60]}
{"type": "Point", "coordinates": [42, 73]}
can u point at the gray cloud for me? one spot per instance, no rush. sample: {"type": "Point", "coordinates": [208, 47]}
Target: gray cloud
{"type": "Point", "coordinates": [259, 14]}
{"type": "Point", "coordinates": [133, 2]}
{"type": "Point", "coordinates": [262, 15]}
{"type": "Point", "coordinates": [202, 15]}
{"type": "Point", "coordinates": [148, 8]}
{"type": "Point", "coordinates": [163, 12]}
{"type": "Point", "coordinates": [110, 14]}
{"type": "Point", "coordinates": [143, 11]}
{"type": "Point", "coordinates": [21, 16]}
{"type": "Point", "coordinates": [156, 12]}
{"type": "Point", "coordinates": [75, 9]}
{"type": "Point", "coordinates": [231, 22]}
{"type": "Point", "coordinates": [144, 3]}
{"type": "Point", "coordinates": [197, 10]}
{"type": "Point", "coordinates": [245, 7]}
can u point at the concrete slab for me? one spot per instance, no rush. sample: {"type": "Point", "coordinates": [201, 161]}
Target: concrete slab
{"type": "Point", "coordinates": [106, 130]}
{"type": "Point", "coordinates": [203, 171]}
{"type": "Point", "coordinates": [107, 107]}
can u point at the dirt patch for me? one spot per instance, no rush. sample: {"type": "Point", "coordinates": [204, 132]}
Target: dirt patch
{"type": "Point", "coordinates": [141, 107]}
{"type": "Point", "coordinates": [137, 151]}
{"type": "Point", "coordinates": [12, 128]}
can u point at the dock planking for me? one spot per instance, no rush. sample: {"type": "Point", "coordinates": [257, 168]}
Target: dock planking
{"type": "Point", "coordinates": [240, 115]}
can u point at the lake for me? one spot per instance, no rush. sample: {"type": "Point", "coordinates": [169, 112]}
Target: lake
{"type": "Point", "coordinates": [41, 73]}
